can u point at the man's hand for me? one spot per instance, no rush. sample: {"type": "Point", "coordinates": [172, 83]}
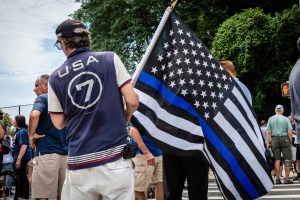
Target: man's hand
{"type": "Point", "coordinates": [18, 164]}
{"type": "Point", "coordinates": [33, 139]}
{"type": "Point", "coordinates": [150, 159]}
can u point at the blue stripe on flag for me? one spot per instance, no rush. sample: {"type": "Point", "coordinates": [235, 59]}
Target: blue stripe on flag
{"type": "Point", "coordinates": [166, 93]}
{"type": "Point", "coordinates": [229, 157]}
{"type": "Point", "coordinates": [170, 97]}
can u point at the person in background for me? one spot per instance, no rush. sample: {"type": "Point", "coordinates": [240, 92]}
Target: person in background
{"type": "Point", "coordinates": [294, 89]}
{"type": "Point", "coordinates": [281, 131]}
{"type": "Point", "coordinates": [86, 94]}
{"type": "Point", "coordinates": [263, 128]}
{"type": "Point", "coordinates": [230, 68]}
{"type": "Point", "coordinates": [21, 152]}
{"type": "Point", "coordinates": [8, 165]}
{"type": "Point", "coordinates": [2, 133]}
{"type": "Point", "coordinates": [148, 166]}
{"type": "Point", "coordinates": [50, 147]}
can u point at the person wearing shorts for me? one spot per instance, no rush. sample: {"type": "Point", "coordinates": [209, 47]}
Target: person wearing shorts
{"type": "Point", "coordinates": [50, 145]}
{"type": "Point", "coordinates": [91, 94]}
{"type": "Point", "coordinates": [279, 128]}
{"type": "Point", "coordinates": [148, 166]}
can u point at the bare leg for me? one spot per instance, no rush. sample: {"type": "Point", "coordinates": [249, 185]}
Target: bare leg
{"type": "Point", "coordinates": [287, 170]}
{"type": "Point", "coordinates": [140, 195]}
{"type": "Point", "coordinates": [277, 168]}
{"type": "Point", "coordinates": [159, 191]}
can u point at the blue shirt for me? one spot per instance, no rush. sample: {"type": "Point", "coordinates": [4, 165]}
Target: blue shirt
{"type": "Point", "coordinates": [21, 138]}
{"type": "Point", "coordinates": [151, 147]}
{"type": "Point", "coordinates": [55, 140]}
{"type": "Point", "coordinates": [245, 90]}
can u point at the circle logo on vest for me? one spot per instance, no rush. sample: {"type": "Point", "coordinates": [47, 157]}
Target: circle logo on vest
{"type": "Point", "coordinates": [85, 89]}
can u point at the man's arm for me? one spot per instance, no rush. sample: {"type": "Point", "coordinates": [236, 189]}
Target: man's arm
{"type": "Point", "coordinates": [269, 132]}
{"type": "Point", "coordinates": [134, 133]}
{"type": "Point", "coordinates": [59, 120]}
{"type": "Point", "coordinates": [33, 122]}
{"type": "Point", "coordinates": [131, 100]}
{"type": "Point", "coordinates": [290, 134]}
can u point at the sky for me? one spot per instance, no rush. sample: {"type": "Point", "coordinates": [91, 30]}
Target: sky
{"type": "Point", "coordinates": [27, 36]}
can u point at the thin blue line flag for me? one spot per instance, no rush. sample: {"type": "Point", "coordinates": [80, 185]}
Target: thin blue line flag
{"type": "Point", "coordinates": [190, 105]}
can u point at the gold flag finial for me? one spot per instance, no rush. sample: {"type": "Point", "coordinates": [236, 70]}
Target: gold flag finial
{"type": "Point", "coordinates": [173, 4]}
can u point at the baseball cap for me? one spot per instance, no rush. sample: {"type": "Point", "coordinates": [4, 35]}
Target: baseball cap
{"type": "Point", "coordinates": [67, 27]}
{"type": "Point", "coordinates": [279, 107]}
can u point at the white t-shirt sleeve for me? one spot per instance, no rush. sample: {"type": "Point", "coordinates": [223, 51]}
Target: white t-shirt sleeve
{"type": "Point", "coordinates": [54, 105]}
{"type": "Point", "coordinates": [121, 73]}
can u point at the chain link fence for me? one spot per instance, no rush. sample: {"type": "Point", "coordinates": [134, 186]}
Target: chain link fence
{"type": "Point", "coordinates": [18, 110]}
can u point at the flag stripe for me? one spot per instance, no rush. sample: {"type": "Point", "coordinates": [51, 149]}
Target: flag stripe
{"type": "Point", "coordinates": [230, 158]}
{"type": "Point", "coordinates": [169, 118]}
{"type": "Point", "coordinates": [257, 171]}
{"type": "Point", "coordinates": [174, 110]}
{"type": "Point", "coordinates": [162, 144]}
{"type": "Point", "coordinates": [224, 178]}
{"type": "Point", "coordinates": [249, 112]}
{"type": "Point", "coordinates": [238, 115]}
{"type": "Point", "coordinates": [226, 166]}
{"type": "Point", "coordinates": [235, 118]}
{"type": "Point", "coordinates": [170, 124]}
{"type": "Point", "coordinates": [166, 93]}
{"type": "Point", "coordinates": [165, 137]}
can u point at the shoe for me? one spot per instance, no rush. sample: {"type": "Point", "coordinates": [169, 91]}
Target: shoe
{"type": "Point", "coordinates": [288, 181]}
{"type": "Point", "coordinates": [296, 178]}
{"type": "Point", "coordinates": [8, 193]}
{"type": "Point", "coordinates": [277, 181]}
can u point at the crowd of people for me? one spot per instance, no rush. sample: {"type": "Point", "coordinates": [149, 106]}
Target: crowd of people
{"type": "Point", "coordinates": [85, 160]}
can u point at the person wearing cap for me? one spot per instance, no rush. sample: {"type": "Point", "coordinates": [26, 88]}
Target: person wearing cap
{"type": "Point", "coordinates": [230, 68]}
{"type": "Point", "coordinates": [294, 89]}
{"type": "Point", "coordinates": [279, 128]}
{"type": "Point", "coordinates": [86, 95]}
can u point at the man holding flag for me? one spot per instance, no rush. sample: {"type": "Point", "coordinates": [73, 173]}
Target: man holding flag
{"type": "Point", "coordinates": [190, 106]}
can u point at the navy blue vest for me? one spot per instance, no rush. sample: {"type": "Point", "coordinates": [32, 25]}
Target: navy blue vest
{"type": "Point", "coordinates": [86, 87]}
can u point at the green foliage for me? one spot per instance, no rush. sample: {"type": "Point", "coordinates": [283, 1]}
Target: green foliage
{"type": "Point", "coordinates": [5, 119]}
{"type": "Point", "coordinates": [121, 26]}
{"type": "Point", "coordinates": [263, 49]}
{"type": "Point", "coordinates": [127, 26]}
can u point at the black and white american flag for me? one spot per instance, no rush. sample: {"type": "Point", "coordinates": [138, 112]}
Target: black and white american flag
{"type": "Point", "coordinates": [190, 105]}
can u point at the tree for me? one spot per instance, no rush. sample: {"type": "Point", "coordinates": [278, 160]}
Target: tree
{"type": "Point", "coordinates": [263, 50]}
{"type": "Point", "coordinates": [127, 26]}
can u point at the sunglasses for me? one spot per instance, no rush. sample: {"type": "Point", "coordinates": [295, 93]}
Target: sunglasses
{"type": "Point", "coordinates": [58, 45]}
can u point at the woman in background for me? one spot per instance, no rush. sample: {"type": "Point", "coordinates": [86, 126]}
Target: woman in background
{"type": "Point", "coordinates": [21, 152]}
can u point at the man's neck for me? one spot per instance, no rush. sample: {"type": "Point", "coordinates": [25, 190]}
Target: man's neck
{"type": "Point", "coordinates": [69, 51]}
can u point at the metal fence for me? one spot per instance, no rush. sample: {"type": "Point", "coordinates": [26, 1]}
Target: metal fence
{"type": "Point", "coordinates": [18, 110]}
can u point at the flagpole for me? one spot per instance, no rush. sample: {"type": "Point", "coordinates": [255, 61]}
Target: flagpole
{"type": "Point", "coordinates": [153, 42]}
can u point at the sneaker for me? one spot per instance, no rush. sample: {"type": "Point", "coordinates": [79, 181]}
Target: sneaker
{"type": "Point", "coordinates": [288, 181]}
{"type": "Point", "coordinates": [277, 181]}
{"type": "Point", "coordinates": [296, 178]}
